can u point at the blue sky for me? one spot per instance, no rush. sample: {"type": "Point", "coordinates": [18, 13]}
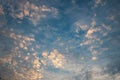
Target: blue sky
{"type": "Point", "coordinates": [60, 39]}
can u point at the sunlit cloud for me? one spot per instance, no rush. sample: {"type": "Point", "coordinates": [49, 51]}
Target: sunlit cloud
{"type": "Point", "coordinates": [87, 42]}
{"type": "Point", "coordinates": [98, 3]}
{"type": "Point", "coordinates": [45, 54]}
{"type": "Point", "coordinates": [65, 48]}
{"type": "Point", "coordinates": [80, 26]}
{"type": "Point", "coordinates": [34, 13]}
{"type": "Point", "coordinates": [36, 63]}
{"type": "Point", "coordinates": [94, 58]}
{"type": "Point", "coordinates": [1, 10]}
{"type": "Point", "coordinates": [91, 31]}
{"type": "Point", "coordinates": [56, 58]}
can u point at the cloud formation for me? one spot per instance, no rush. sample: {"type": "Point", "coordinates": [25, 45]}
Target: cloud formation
{"type": "Point", "coordinates": [33, 12]}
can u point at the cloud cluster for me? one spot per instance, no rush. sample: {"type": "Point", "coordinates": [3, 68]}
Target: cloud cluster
{"type": "Point", "coordinates": [33, 12]}
{"type": "Point", "coordinates": [98, 3]}
{"type": "Point", "coordinates": [1, 10]}
{"type": "Point", "coordinates": [55, 58]}
{"type": "Point", "coordinates": [45, 53]}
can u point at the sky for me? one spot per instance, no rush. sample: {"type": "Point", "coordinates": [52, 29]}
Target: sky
{"type": "Point", "coordinates": [59, 39]}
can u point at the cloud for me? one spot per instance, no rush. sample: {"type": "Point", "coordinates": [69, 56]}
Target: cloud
{"type": "Point", "coordinates": [107, 27]}
{"type": "Point", "coordinates": [91, 31]}
{"type": "Point", "coordinates": [33, 12]}
{"type": "Point", "coordinates": [98, 2]}
{"type": "Point", "coordinates": [94, 58]}
{"type": "Point", "coordinates": [22, 60]}
{"type": "Point", "coordinates": [87, 42]}
{"type": "Point", "coordinates": [23, 67]}
{"type": "Point", "coordinates": [2, 17]}
{"type": "Point", "coordinates": [1, 10]}
{"type": "Point", "coordinates": [79, 26]}
{"type": "Point", "coordinates": [55, 57]}
{"type": "Point", "coordinates": [59, 61]}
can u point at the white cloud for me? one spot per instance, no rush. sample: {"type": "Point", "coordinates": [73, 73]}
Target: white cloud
{"type": "Point", "coordinates": [99, 3]}
{"type": "Point", "coordinates": [90, 32]}
{"type": "Point", "coordinates": [2, 16]}
{"type": "Point", "coordinates": [33, 12]}
{"type": "Point", "coordinates": [107, 27]}
{"type": "Point", "coordinates": [55, 57]}
{"type": "Point", "coordinates": [94, 58]}
{"type": "Point", "coordinates": [79, 26]}
{"type": "Point", "coordinates": [1, 10]}
{"type": "Point", "coordinates": [87, 42]}
{"type": "Point", "coordinates": [83, 27]}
